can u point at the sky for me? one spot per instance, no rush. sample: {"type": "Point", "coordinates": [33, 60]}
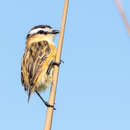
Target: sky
{"type": "Point", "coordinates": [93, 90]}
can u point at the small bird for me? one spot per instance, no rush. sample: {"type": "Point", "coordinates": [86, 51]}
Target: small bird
{"type": "Point", "coordinates": [38, 60]}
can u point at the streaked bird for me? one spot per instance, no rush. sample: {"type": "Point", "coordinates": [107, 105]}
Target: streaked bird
{"type": "Point", "coordinates": [38, 60]}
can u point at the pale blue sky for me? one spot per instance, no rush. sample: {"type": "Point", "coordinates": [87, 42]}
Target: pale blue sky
{"type": "Point", "coordinates": [94, 82]}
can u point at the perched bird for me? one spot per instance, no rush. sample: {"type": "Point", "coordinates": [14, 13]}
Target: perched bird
{"type": "Point", "coordinates": [38, 60]}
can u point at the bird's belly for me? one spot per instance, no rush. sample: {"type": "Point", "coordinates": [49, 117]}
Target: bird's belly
{"type": "Point", "coordinates": [44, 82]}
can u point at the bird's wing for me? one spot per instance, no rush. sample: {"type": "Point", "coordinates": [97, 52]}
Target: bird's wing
{"type": "Point", "coordinates": [32, 63]}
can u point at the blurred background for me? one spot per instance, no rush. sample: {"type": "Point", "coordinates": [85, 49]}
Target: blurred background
{"type": "Point", "coordinates": [94, 82]}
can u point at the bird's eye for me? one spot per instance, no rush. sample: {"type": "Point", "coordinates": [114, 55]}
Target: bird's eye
{"type": "Point", "coordinates": [41, 32]}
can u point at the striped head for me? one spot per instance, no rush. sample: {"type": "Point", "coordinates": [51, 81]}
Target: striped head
{"type": "Point", "coordinates": [42, 30]}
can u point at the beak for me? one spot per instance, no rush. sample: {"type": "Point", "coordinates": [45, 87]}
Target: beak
{"type": "Point", "coordinates": [55, 31]}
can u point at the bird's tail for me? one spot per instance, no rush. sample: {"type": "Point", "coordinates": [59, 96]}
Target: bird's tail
{"type": "Point", "coordinates": [29, 94]}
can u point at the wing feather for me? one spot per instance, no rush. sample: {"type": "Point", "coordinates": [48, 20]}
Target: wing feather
{"type": "Point", "coordinates": [32, 63]}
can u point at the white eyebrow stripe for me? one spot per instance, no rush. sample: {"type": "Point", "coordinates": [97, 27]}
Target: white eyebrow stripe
{"type": "Point", "coordinates": [34, 31]}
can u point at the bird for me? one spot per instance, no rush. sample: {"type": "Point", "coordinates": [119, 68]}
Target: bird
{"type": "Point", "coordinates": [38, 60]}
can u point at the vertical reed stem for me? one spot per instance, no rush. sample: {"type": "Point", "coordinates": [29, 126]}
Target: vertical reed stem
{"type": "Point", "coordinates": [49, 113]}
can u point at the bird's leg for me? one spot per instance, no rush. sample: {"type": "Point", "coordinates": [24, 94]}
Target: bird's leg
{"type": "Point", "coordinates": [52, 64]}
{"type": "Point", "coordinates": [45, 102]}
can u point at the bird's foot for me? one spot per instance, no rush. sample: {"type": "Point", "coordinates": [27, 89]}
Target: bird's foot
{"type": "Point", "coordinates": [48, 105]}
{"type": "Point", "coordinates": [57, 63]}
{"type": "Point", "coordinates": [45, 102]}
{"type": "Point", "coordinates": [52, 65]}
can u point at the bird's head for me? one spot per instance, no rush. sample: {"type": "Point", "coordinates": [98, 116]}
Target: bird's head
{"type": "Point", "coordinates": [42, 31]}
